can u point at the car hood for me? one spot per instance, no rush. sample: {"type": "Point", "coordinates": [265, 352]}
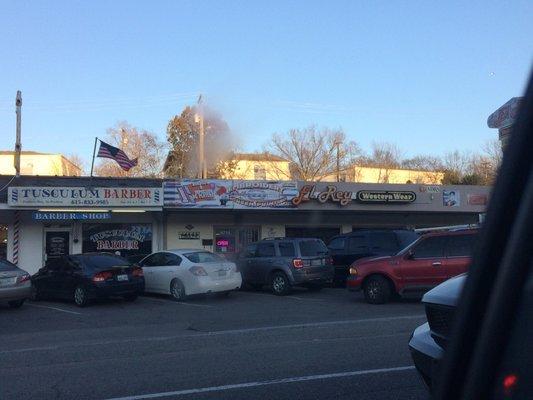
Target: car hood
{"type": "Point", "coordinates": [447, 293]}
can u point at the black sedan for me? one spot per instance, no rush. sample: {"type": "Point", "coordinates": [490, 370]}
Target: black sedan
{"type": "Point", "coordinates": [83, 277]}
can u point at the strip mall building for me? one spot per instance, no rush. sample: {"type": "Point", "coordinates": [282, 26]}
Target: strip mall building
{"type": "Point", "coordinates": [46, 217]}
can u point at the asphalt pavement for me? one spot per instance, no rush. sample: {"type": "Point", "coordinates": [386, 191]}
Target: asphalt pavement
{"type": "Point", "coordinates": [251, 345]}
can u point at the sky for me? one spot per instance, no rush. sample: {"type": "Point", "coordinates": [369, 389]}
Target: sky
{"type": "Point", "coordinates": [419, 74]}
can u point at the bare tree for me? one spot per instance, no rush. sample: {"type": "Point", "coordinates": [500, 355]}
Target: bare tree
{"type": "Point", "coordinates": [385, 156]}
{"type": "Point", "coordinates": [136, 143]}
{"type": "Point", "coordinates": [313, 153]}
{"type": "Point", "coordinates": [430, 167]}
{"type": "Point", "coordinates": [78, 162]}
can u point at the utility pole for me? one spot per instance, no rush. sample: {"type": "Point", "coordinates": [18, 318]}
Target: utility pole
{"type": "Point", "coordinates": [18, 145]}
{"type": "Point", "coordinates": [338, 163]}
{"type": "Point", "coordinates": [199, 118]}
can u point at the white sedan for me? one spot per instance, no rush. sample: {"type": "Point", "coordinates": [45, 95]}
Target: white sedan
{"type": "Point", "coordinates": [184, 272]}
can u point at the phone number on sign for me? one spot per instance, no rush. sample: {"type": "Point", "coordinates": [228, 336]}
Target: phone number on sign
{"type": "Point", "coordinates": [89, 202]}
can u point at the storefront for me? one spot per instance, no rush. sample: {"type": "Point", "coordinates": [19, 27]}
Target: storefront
{"type": "Point", "coordinates": [224, 216]}
{"type": "Point", "coordinates": [75, 215]}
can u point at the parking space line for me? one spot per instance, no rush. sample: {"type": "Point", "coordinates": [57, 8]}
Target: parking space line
{"type": "Point", "coordinates": [266, 383]}
{"type": "Point", "coordinates": [177, 302]}
{"type": "Point", "coordinates": [54, 308]}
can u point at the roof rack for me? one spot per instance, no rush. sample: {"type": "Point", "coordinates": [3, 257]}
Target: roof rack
{"type": "Point", "coordinates": [451, 228]}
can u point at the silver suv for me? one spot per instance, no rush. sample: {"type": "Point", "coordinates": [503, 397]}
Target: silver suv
{"type": "Point", "coordinates": [285, 262]}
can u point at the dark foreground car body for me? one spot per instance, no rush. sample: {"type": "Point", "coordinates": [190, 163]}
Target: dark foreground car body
{"type": "Point", "coordinates": [84, 277]}
{"type": "Point", "coordinates": [429, 340]}
{"type": "Point", "coordinates": [362, 243]}
{"type": "Point", "coordinates": [285, 262]}
{"type": "Point", "coordinates": [15, 284]}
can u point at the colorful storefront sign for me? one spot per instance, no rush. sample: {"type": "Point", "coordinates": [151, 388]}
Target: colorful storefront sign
{"type": "Point", "coordinates": [196, 193]}
{"type": "Point", "coordinates": [331, 193]}
{"type": "Point", "coordinates": [477, 199]}
{"type": "Point", "coordinates": [50, 196]}
{"type": "Point", "coordinates": [451, 198]}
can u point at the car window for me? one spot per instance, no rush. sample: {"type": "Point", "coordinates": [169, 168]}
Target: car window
{"type": "Point", "coordinates": [406, 238]}
{"type": "Point", "coordinates": [382, 242]}
{"type": "Point", "coordinates": [152, 260]}
{"type": "Point", "coordinates": [460, 245]}
{"type": "Point", "coordinates": [7, 266]}
{"type": "Point", "coordinates": [430, 247]}
{"type": "Point", "coordinates": [170, 259]}
{"type": "Point", "coordinates": [103, 261]}
{"type": "Point", "coordinates": [266, 250]}
{"type": "Point", "coordinates": [286, 249]}
{"type": "Point", "coordinates": [250, 251]}
{"type": "Point", "coordinates": [337, 244]}
{"type": "Point", "coordinates": [312, 248]}
{"type": "Point", "coordinates": [203, 256]}
{"type": "Point", "coordinates": [357, 244]}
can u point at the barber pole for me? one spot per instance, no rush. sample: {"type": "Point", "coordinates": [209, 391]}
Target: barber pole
{"type": "Point", "coordinates": [16, 232]}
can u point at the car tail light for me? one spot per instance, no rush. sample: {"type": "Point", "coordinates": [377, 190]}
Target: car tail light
{"type": "Point", "coordinates": [102, 276]}
{"type": "Point", "coordinates": [198, 271]}
{"type": "Point", "coordinates": [24, 278]}
{"type": "Point", "coordinates": [298, 263]}
{"type": "Point", "coordinates": [137, 271]}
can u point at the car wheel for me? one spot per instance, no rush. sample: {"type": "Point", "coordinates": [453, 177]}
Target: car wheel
{"type": "Point", "coordinates": [131, 297]}
{"type": "Point", "coordinates": [377, 290]}
{"type": "Point", "coordinates": [81, 298]}
{"type": "Point", "coordinates": [16, 303]}
{"type": "Point", "coordinates": [177, 290]}
{"type": "Point", "coordinates": [279, 284]}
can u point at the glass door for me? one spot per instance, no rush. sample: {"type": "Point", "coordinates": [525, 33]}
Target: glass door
{"type": "Point", "coordinates": [56, 244]}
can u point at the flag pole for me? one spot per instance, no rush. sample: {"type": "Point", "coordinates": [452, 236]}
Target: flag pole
{"type": "Point", "coordinates": [94, 153]}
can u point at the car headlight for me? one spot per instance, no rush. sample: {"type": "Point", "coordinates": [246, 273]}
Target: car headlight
{"type": "Point", "coordinates": [353, 271]}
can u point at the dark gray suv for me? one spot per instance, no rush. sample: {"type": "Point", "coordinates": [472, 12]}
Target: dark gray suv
{"type": "Point", "coordinates": [285, 262]}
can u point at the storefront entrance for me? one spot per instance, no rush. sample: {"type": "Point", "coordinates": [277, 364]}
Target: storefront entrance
{"type": "Point", "coordinates": [229, 241]}
{"type": "Point", "coordinates": [322, 233]}
{"type": "Point", "coordinates": [56, 243]}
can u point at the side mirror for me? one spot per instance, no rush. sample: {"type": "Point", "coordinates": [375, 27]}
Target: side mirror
{"type": "Point", "coordinates": [410, 254]}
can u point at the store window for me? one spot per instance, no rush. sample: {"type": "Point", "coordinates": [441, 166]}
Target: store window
{"type": "Point", "coordinates": [3, 241]}
{"type": "Point", "coordinates": [231, 240]}
{"type": "Point", "coordinates": [122, 239]}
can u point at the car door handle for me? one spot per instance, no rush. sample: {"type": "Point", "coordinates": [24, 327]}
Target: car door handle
{"type": "Point", "coordinates": [436, 264]}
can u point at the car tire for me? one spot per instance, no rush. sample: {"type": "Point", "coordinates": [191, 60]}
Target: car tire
{"type": "Point", "coordinates": [177, 290]}
{"type": "Point", "coordinates": [279, 284]}
{"type": "Point", "coordinates": [377, 290]}
{"type": "Point", "coordinates": [131, 297]}
{"type": "Point", "coordinates": [81, 297]}
{"type": "Point", "coordinates": [16, 303]}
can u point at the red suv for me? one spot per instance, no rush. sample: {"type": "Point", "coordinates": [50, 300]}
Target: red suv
{"type": "Point", "coordinates": [430, 260]}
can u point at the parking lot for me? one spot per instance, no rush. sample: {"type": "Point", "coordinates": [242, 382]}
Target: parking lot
{"type": "Point", "coordinates": [323, 345]}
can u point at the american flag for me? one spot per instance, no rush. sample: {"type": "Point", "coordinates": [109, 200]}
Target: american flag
{"type": "Point", "coordinates": [114, 153]}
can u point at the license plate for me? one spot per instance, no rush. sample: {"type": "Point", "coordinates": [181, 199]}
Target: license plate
{"type": "Point", "coordinates": [7, 281]}
{"type": "Point", "coordinates": [222, 272]}
{"type": "Point", "coordinates": [317, 263]}
{"type": "Point", "coordinates": [122, 278]}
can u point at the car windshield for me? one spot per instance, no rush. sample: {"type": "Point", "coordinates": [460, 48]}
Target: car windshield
{"type": "Point", "coordinates": [203, 257]}
{"type": "Point", "coordinates": [311, 248]}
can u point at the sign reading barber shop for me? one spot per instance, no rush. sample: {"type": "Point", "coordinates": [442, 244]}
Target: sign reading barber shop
{"type": "Point", "coordinates": [85, 196]}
